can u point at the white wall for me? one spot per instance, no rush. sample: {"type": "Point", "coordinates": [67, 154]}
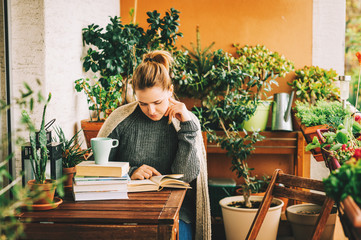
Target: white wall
{"type": "Point", "coordinates": [46, 43]}
{"type": "Point", "coordinates": [64, 21]}
{"type": "Point", "coordinates": [329, 26]}
{"type": "Point", "coordinates": [328, 49]}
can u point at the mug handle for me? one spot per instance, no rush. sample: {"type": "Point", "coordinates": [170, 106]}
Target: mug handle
{"type": "Point", "coordinates": [116, 143]}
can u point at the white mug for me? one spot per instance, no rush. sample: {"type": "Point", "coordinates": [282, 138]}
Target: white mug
{"type": "Point", "coordinates": [101, 149]}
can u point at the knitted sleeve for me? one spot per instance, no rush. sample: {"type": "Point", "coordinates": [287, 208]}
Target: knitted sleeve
{"type": "Point", "coordinates": [186, 160]}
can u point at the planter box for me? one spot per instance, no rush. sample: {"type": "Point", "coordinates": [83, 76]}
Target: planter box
{"type": "Point", "coordinates": [330, 161]}
{"type": "Point", "coordinates": [309, 133]}
{"type": "Point", "coordinates": [350, 216]}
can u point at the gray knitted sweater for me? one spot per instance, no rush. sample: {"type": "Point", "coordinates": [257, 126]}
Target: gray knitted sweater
{"type": "Point", "coordinates": [203, 214]}
{"type": "Point", "coordinates": [158, 144]}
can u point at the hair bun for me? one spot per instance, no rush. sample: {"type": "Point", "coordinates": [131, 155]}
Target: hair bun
{"type": "Point", "coordinates": [148, 59]}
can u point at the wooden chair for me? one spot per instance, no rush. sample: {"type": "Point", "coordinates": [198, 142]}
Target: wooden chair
{"type": "Point", "coordinates": [293, 189]}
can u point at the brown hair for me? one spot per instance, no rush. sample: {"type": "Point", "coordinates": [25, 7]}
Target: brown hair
{"type": "Point", "coordinates": [154, 70]}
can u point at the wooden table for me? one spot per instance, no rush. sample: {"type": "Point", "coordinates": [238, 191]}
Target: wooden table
{"type": "Point", "coordinates": [145, 215]}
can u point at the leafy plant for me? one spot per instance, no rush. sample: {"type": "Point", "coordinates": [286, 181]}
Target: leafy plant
{"type": "Point", "coordinates": [260, 62]}
{"type": "Point", "coordinates": [340, 144]}
{"type": "Point", "coordinates": [72, 152]}
{"type": "Point", "coordinates": [192, 70]}
{"type": "Point", "coordinates": [103, 96]}
{"type": "Point", "coordinates": [39, 154]}
{"type": "Point", "coordinates": [230, 111]}
{"type": "Point", "coordinates": [239, 148]}
{"type": "Point", "coordinates": [114, 53]}
{"type": "Point", "coordinates": [119, 49]}
{"type": "Point", "coordinates": [10, 227]}
{"type": "Point", "coordinates": [313, 83]}
{"type": "Point", "coordinates": [322, 112]}
{"type": "Point", "coordinates": [230, 89]}
{"type": "Point", "coordinates": [345, 181]}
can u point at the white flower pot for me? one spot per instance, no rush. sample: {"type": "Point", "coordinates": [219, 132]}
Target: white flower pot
{"type": "Point", "coordinates": [237, 221]}
{"type": "Point", "coordinates": [302, 224]}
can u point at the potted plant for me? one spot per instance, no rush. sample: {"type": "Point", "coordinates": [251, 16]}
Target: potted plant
{"type": "Point", "coordinates": [303, 218]}
{"type": "Point", "coordinates": [338, 145]}
{"type": "Point", "coordinates": [72, 154]}
{"type": "Point", "coordinates": [191, 71]}
{"type": "Point", "coordinates": [267, 66]}
{"type": "Point", "coordinates": [313, 83]}
{"type": "Point", "coordinates": [343, 185]}
{"type": "Point", "coordinates": [229, 111]}
{"type": "Point", "coordinates": [103, 97]}
{"type": "Point", "coordinates": [39, 157]}
{"type": "Point", "coordinates": [321, 115]}
{"type": "Point", "coordinates": [111, 88]}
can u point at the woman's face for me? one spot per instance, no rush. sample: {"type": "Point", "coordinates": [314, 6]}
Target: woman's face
{"type": "Point", "coordinates": [154, 101]}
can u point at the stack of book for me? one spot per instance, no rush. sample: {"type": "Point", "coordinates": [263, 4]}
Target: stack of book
{"type": "Point", "coordinates": [101, 182]}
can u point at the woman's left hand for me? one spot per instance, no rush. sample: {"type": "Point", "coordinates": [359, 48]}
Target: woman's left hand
{"type": "Point", "coordinates": [178, 110]}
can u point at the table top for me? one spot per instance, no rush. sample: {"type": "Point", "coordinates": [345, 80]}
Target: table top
{"type": "Point", "coordinates": [141, 208]}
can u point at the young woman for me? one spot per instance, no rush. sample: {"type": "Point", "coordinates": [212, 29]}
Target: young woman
{"type": "Point", "coordinates": [158, 135]}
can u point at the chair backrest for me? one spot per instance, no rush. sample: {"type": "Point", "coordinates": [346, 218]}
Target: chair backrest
{"type": "Point", "coordinates": [296, 188]}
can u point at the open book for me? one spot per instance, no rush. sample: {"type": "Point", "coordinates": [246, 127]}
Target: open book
{"type": "Point", "coordinates": [157, 183]}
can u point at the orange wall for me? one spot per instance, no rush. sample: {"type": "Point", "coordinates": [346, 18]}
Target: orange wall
{"type": "Point", "coordinates": [281, 25]}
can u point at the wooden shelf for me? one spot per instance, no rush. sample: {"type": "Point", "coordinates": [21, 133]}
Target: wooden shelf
{"type": "Point", "coordinates": [292, 143]}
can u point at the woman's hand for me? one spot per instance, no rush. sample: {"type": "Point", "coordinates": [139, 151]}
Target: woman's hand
{"type": "Point", "coordinates": [178, 110]}
{"type": "Point", "coordinates": [144, 172]}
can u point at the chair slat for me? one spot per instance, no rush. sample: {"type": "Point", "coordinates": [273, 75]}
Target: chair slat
{"type": "Point", "coordinates": [297, 192]}
{"type": "Point", "coordinates": [301, 182]}
{"type": "Point", "coordinates": [299, 195]}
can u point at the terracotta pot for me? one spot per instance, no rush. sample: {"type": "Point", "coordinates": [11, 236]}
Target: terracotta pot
{"type": "Point", "coordinates": [46, 190]}
{"type": "Point", "coordinates": [69, 172]}
{"type": "Point", "coordinates": [90, 129]}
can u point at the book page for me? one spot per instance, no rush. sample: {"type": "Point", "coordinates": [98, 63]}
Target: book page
{"type": "Point", "coordinates": [141, 182]}
{"type": "Point", "coordinates": [158, 179]}
{"type": "Point", "coordinates": [142, 186]}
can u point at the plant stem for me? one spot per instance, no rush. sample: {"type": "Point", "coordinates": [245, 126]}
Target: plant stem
{"type": "Point", "coordinates": [358, 86]}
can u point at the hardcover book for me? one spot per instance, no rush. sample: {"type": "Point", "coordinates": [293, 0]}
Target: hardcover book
{"type": "Point", "coordinates": [87, 196]}
{"type": "Point", "coordinates": [96, 180]}
{"type": "Point", "coordinates": [112, 169]}
{"type": "Point", "coordinates": [100, 187]}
